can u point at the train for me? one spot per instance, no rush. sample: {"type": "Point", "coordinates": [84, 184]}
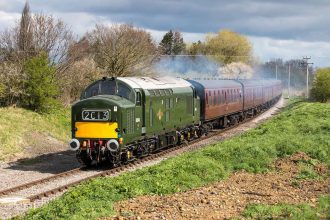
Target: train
{"type": "Point", "coordinates": [121, 119]}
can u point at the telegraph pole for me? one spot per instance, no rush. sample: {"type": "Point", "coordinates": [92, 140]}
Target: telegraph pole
{"type": "Point", "coordinates": [276, 69]}
{"type": "Point", "coordinates": [307, 74]}
{"type": "Point", "coordinates": [289, 80]}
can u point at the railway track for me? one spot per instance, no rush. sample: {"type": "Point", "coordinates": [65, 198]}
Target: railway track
{"type": "Point", "coordinates": [102, 173]}
{"type": "Point", "coordinates": [39, 181]}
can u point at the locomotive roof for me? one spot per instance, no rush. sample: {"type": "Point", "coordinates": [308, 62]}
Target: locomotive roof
{"type": "Point", "coordinates": [155, 82]}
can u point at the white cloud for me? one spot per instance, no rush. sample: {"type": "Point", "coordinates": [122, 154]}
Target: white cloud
{"type": "Point", "coordinates": [81, 22]}
{"type": "Point", "coordinates": [7, 19]}
{"type": "Point", "coordinates": [267, 48]}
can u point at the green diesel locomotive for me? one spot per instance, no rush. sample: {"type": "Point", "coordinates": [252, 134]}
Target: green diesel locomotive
{"type": "Point", "coordinates": [120, 119]}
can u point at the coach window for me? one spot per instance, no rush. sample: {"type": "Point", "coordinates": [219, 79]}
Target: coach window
{"type": "Point", "coordinates": [230, 95]}
{"type": "Point", "coordinates": [222, 97]}
{"type": "Point", "coordinates": [214, 99]}
{"type": "Point", "coordinates": [206, 98]}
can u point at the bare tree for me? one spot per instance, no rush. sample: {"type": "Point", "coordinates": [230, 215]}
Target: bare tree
{"type": "Point", "coordinates": [79, 75]}
{"type": "Point", "coordinates": [236, 70]}
{"type": "Point", "coordinates": [25, 35]}
{"type": "Point", "coordinates": [52, 36]}
{"type": "Point", "coordinates": [33, 34]}
{"type": "Point", "coordinates": [11, 83]}
{"type": "Point", "coordinates": [122, 50]}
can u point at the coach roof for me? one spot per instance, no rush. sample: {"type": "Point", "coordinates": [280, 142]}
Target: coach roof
{"type": "Point", "coordinates": [216, 83]}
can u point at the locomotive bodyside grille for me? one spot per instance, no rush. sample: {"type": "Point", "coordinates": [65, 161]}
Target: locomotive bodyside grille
{"type": "Point", "coordinates": [130, 121]}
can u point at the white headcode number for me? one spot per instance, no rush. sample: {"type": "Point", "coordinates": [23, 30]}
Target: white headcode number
{"type": "Point", "coordinates": [95, 115]}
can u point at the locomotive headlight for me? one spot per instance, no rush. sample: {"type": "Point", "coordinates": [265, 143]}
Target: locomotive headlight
{"type": "Point", "coordinates": [112, 145]}
{"type": "Point", "coordinates": [74, 144]}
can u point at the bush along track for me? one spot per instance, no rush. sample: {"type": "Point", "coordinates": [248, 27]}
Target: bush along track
{"type": "Point", "coordinates": [300, 127]}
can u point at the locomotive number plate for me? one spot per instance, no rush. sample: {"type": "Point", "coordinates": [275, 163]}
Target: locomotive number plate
{"type": "Point", "coordinates": [95, 115]}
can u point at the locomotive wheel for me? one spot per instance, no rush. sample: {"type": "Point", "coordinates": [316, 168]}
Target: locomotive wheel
{"type": "Point", "coordinates": [83, 158]}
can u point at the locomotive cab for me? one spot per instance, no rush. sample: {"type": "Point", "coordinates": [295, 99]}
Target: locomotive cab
{"type": "Point", "coordinates": [97, 120]}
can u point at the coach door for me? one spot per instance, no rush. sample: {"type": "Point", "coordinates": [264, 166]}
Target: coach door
{"type": "Point", "coordinates": [140, 110]}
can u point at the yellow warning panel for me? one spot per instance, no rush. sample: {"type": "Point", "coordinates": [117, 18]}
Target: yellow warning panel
{"type": "Point", "coordinates": [96, 129]}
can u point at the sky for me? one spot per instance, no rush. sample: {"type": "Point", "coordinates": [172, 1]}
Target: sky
{"type": "Point", "coordinates": [288, 29]}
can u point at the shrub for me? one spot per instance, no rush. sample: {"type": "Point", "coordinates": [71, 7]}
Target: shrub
{"type": "Point", "coordinates": [41, 88]}
{"type": "Point", "coordinates": [321, 85]}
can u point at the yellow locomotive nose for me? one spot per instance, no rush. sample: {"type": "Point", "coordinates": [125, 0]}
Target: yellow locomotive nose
{"type": "Point", "coordinates": [96, 130]}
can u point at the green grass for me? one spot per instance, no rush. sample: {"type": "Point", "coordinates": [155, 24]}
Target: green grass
{"type": "Point", "coordinates": [17, 125]}
{"type": "Point", "coordinates": [307, 172]}
{"type": "Point", "coordinates": [301, 127]}
{"type": "Point", "coordinates": [287, 211]}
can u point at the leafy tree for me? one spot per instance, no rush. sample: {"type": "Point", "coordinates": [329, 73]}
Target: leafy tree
{"type": "Point", "coordinates": [227, 47]}
{"type": "Point", "coordinates": [178, 44]}
{"type": "Point", "coordinates": [172, 43]}
{"type": "Point", "coordinates": [166, 45]}
{"type": "Point", "coordinates": [41, 89]}
{"type": "Point", "coordinates": [321, 85]}
{"type": "Point", "coordinates": [196, 48]}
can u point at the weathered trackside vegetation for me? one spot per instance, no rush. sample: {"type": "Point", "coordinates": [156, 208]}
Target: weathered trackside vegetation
{"type": "Point", "coordinates": [18, 125]}
{"type": "Point", "coordinates": [301, 127]}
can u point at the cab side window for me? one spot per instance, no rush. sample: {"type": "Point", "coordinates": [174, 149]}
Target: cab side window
{"type": "Point", "coordinates": [125, 92]}
{"type": "Point", "coordinates": [138, 98]}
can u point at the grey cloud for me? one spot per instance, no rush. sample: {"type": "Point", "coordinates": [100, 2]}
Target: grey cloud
{"type": "Point", "coordinates": [281, 19]}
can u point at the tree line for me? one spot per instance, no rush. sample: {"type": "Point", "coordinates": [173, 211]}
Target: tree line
{"type": "Point", "coordinates": [42, 64]}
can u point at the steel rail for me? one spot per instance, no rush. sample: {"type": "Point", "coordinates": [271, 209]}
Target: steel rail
{"type": "Point", "coordinates": [39, 181]}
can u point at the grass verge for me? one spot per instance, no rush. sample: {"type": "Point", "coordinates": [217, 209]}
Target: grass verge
{"type": "Point", "coordinates": [287, 211]}
{"type": "Point", "coordinates": [18, 125]}
{"type": "Point", "coordinates": [301, 127]}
